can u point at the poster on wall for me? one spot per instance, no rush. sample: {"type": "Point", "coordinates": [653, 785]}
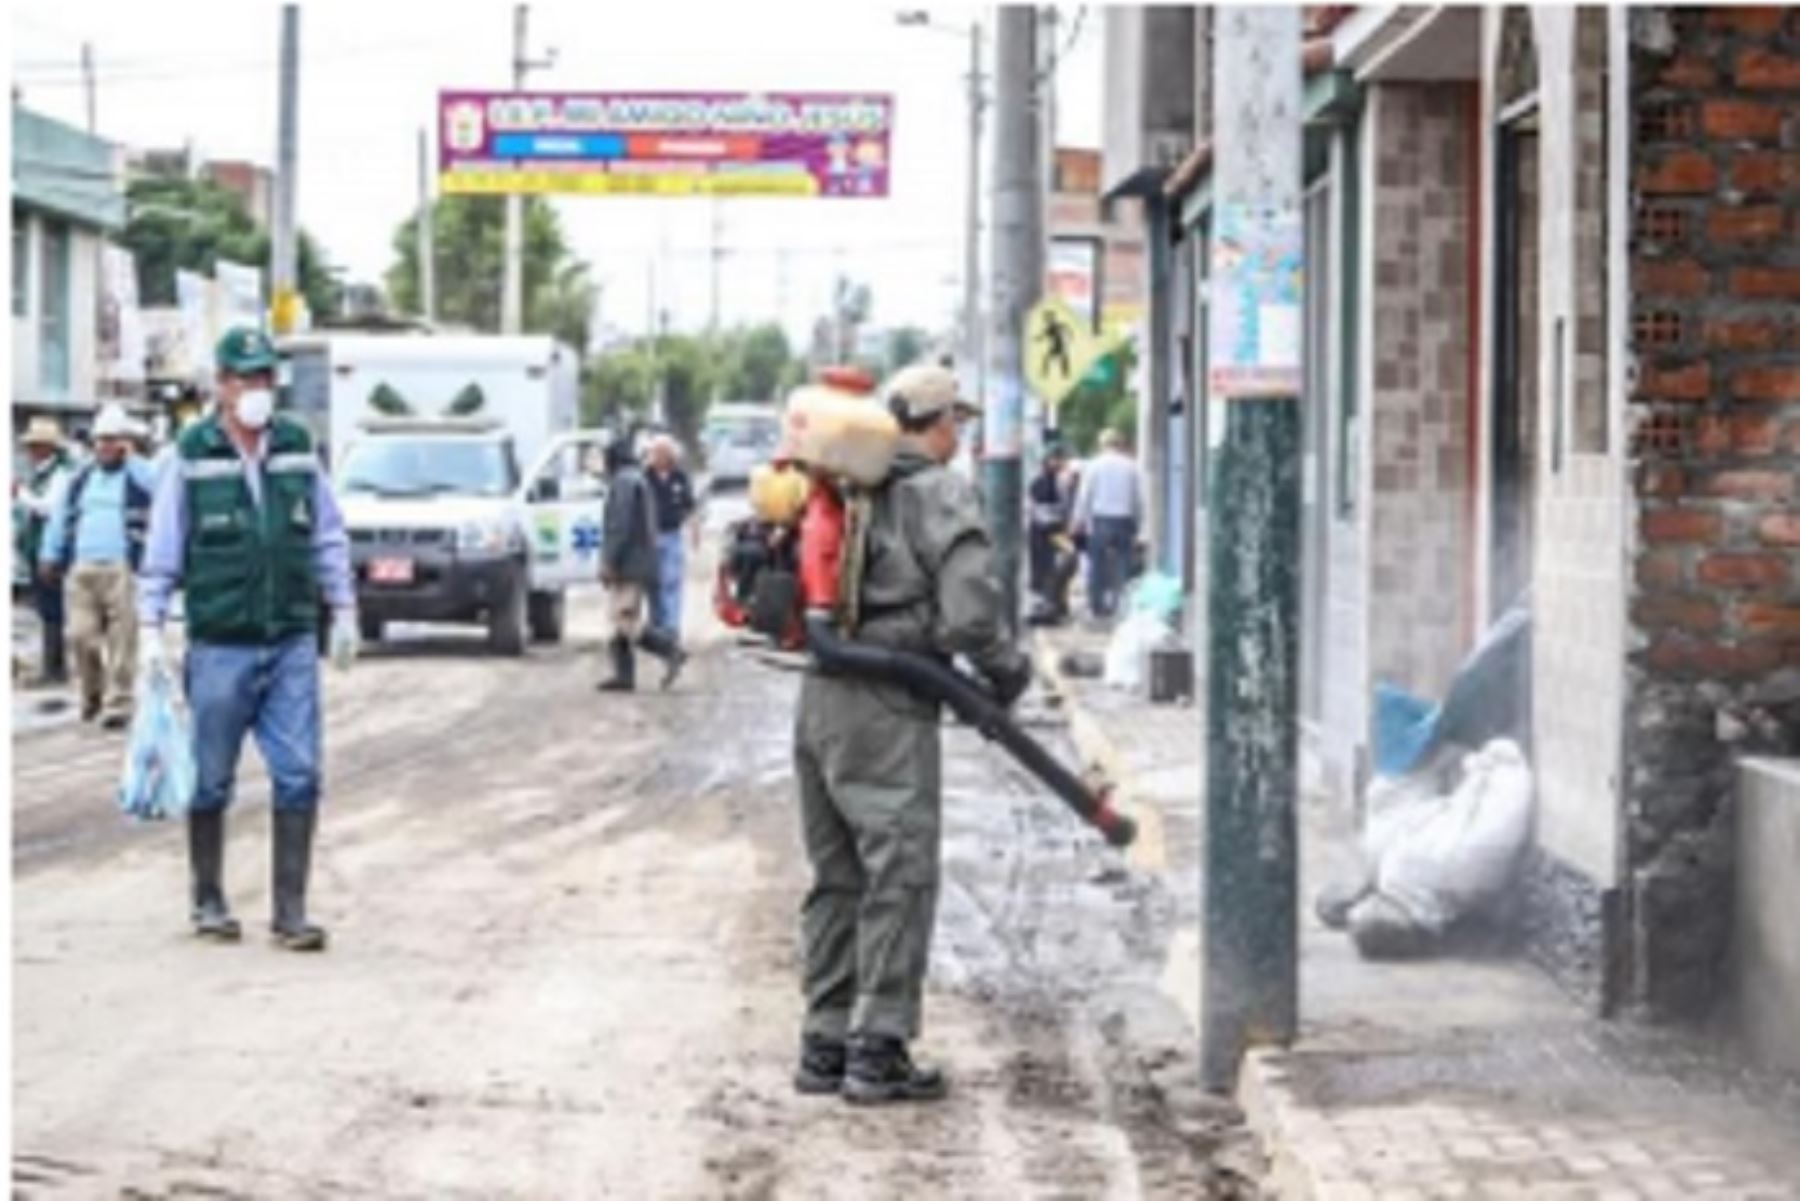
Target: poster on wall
{"type": "Point", "coordinates": [1257, 277]}
{"type": "Point", "coordinates": [1074, 277]}
{"type": "Point", "coordinates": [121, 341]}
{"type": "Point", "coordinates": [193, 297]}
{"type": "Point", "coordinates": [804, 144]}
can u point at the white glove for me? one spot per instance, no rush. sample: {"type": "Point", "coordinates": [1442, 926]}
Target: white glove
{"type": "Point", "coordinates": [153, 653]}
{"type": "Point", "coordinates": [343, 638]}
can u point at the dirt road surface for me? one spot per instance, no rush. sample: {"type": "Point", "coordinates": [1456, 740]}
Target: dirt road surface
{"type": "Point", "coordinates": [563, 966]}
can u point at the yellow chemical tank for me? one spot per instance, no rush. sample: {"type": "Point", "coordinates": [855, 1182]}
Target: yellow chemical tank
{"type": "Point", "coordinates": [777, 494]}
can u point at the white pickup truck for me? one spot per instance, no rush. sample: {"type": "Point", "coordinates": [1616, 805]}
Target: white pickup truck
{"type": "Point", "coordinates": [468, 494]}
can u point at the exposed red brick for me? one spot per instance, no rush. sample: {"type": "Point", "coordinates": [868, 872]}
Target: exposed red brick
{"type": "Point", "coordinates": [1672, 277]}
{"type": "Point", "coordinates": [1743, 570]}
{"type": "Point", "coordinates": [1680, 173]}
{"type": "Point", "coordinates": [1752, 485]}
{"type": "Point", "coordinates": [1698, 614]}
{"type": "Point", "coordinates": [1712, 436]}
{"type": "Point", "coordinates": [1690, 382]}
{"type": "Point", "coordinates": [1771, 384]}
{"type": "Point", "coordinates": [1743, 335]}
{"type": "Point", "coordinates": [1754, 434]}
{"type": "Point", "coordinates": [1751, 657]}
{"type": "Point", "coordinates": [1661, 569]}
{"type": "Point", "coordinates": [1680, 525]}
{"type": "Point", "coordinates": [1766, 617]}
{"type": "Point", "coordinates": [1758, 223]}
{"type": "Point", "coordinates": [1763, 171]}
{"type": "Point", "coordinates": [1689, 71]}
{"type": "Point", "coordinates": [1760, 67]}
{"type": "Point", "coordinates": [1755, 20]}
{"type": "Point", "coordinates": [1766, 283]}
{"type": "Point", "coordinates": [1663, 481]}
{"type": "Point", "coordinates": [1780, 529]}
{"type": "Point", "coordinates": [1741, 120]}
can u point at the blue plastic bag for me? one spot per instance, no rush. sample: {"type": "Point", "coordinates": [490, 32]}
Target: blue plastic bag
{"type": "Point", "coordinates": [158, 780]}
{"type": "Point", "coordinates": [1405, 726]}
{"type": "Point", "coordinates": [1157, 593]}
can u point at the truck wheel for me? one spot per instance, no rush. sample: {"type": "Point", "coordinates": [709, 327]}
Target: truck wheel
{"type": "Point", "coordinates": [546, 616]}
{"type": "Point", "coordinates": [370, 628]}
{"type": "Point", "coordinates": [507, 626]}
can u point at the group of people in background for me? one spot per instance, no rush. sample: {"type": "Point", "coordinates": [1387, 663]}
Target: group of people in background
{"type": "Point", "coordinates": [1096, 511]}
{"type": "Point", "coordinates": [82, 539]}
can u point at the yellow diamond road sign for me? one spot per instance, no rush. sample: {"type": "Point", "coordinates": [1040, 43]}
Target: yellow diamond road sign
{"type": "Point", "coordinates": [1059, 350]}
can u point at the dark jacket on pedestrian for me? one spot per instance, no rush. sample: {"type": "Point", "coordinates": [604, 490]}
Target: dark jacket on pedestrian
{"type": "Point", "coordinates": [629, 553]}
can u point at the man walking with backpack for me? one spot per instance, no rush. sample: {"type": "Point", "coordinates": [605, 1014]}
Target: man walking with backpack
{"type": "Point", "coordinates": [92, 547]}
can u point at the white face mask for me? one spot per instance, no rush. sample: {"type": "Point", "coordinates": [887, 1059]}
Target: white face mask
{"type": "Point", "coordinates": [254, 405]}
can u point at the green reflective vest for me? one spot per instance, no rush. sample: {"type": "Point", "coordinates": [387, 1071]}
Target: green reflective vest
{"type": "Point", "coordinates": [248, 570]}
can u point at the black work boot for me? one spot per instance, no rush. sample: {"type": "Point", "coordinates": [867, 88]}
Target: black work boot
{"type": "Point", "coordinates": [821, 1069]}
{"type": "Point", "coordinates": [293, 861]}
{"type": "Point", "coordinates": [624, 676]}
{"type": "Point", "coordinates": [663, 645]}
{"type": "Point", "coordinates": [880, 1071]}
{"type": "Point", "coordinates": [206, 858]}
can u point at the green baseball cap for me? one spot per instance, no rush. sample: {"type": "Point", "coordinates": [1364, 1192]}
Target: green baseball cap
{"type": "Point", "coordinates": [245, 351]}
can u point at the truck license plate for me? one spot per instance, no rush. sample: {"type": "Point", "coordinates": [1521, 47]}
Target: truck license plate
{"type": "Point", "coordinates": [390, 571]}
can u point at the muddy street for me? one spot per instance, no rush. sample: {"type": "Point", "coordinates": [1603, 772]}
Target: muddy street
{"type": "Point", "coordinates": [563, 965]}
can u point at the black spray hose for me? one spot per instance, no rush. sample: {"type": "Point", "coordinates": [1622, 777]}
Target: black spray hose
{"type": "Point", "coordinates": [926, 677]}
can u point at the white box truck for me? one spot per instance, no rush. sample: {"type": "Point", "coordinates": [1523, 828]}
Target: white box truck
{"type": "Point", "coordinates": [468, 492]}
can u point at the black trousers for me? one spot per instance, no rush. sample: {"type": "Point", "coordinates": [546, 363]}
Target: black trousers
{"type": "Point", "coordinates": [47, 599]}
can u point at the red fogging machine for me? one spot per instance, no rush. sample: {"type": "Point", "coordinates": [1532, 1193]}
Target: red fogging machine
{"type": "Point", "coordinates": [783, 572]}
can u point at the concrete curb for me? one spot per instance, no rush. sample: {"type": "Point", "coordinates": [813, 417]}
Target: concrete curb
{"type": "Point", "coordinates": [1268, 1114]}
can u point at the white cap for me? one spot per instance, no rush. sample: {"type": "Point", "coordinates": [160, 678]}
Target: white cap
{"type": "Point", "coordinates": [114, 422]}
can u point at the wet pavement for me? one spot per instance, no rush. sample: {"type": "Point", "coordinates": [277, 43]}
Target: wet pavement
{"type": "Point", "coordinates": [563, 964]}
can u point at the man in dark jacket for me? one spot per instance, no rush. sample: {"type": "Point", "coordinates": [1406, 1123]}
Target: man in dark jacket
{"type": "Point", "coordinates": [629, 569]}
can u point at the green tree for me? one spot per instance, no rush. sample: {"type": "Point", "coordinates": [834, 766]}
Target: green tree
{"type": "Point", "coordinates": [468, 257]}
{"type": "Point", "coordinates": [180, 224]}
{"type": "Point", "coordinates": [617, 385]}
{"type": "Point", "coordinates": [907, 346]}
{"type": "Point", "coordinates": [753, 363]}
{"type": "Point", "coordinates": [687, 372]}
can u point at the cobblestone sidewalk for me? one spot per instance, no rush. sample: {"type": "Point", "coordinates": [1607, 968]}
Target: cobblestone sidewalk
{"type": "Point", "coordinates": [1463, 1077]}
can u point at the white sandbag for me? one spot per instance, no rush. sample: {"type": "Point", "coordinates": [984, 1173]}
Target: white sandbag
{"type": "Point", "coordinates": [1440, 860]}
{"type": "Point", "coordinates": [1128, 651]}
{"type": "Point", "coordinates": [840, 434]}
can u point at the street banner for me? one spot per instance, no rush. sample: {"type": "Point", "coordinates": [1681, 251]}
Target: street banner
{"type": "Point", "coordinates": [239, 295]}
{"type": "Point", "coordinates": [1257, 266]}
{"type": "Point", "coordinates": [122, 348]}
{"type": "Point", "coordinates": [1074, 276]}
{"type": "Point", "coordinates": [809, 144]}
{"type": "Point", "coordinates": [193, 296]}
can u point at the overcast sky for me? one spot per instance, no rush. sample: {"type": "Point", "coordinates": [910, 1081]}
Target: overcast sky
{"type": "Point", "coordinates": [204, 71]}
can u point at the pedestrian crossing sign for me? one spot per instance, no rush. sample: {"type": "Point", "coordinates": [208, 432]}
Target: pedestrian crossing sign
{"type": "Point", "coordinates": [1060, 350]}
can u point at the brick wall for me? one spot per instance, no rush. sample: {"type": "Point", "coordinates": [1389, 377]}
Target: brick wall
{"type": "Point", "coordinates": [1418, 544]}
{"type": "Point", "coordinates": [1715, 448]}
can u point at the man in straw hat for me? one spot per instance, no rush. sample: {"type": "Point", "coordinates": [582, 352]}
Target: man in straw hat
{"type": "Point", "coordinates": [92, 546]}
{"type": "Point", "coordinates": [48, 468]}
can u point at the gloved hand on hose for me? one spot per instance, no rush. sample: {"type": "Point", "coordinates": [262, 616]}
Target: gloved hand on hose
{"type": "Point", "coordinates": [344, 638]}
{"type": "Point", "coordinates": [1010, 679]}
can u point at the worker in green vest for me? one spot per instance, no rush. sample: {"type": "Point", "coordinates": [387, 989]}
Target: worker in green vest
{"type": "Point", "coordinates": [245, 522]}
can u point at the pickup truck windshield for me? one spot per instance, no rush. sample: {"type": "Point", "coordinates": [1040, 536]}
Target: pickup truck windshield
{"type": "Point", "coordinates": [429, 466]}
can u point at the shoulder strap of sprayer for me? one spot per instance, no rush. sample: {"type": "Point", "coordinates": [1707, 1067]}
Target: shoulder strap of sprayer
{"type": "Point", "coordinates": [859, 509]}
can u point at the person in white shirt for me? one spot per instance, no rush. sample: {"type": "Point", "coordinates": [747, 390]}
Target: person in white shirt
{"type": "Point", "coordinates": [1108, 511]}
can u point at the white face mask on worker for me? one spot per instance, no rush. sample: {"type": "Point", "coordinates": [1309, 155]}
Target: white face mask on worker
{"type": "Point", "coordinates": [254, 407]}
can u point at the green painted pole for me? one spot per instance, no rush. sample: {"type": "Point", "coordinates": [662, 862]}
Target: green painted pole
{"type": "Point", "coordinates": [1250, 976]}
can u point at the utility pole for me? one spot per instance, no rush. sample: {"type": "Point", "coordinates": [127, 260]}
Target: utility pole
{"type": "Point", "coordinates": [512, 293]}
{"type": "Point", "coordinates": [1047, 54]}
{"type": "Point", "coordinates": [87, 83]}
{"type": "Point", "coordinates": [1018, 278]}
{"type": "Point", "coordinates": [422, 227]}
{"type": "Point", "coordinates": [1250, 978]}
{"type": "Point", "coordinates": [973, 350]}
{"type": "Point", "coordinates": [283, 283]}
{"type": "Point", "coordinates": [715, 252]}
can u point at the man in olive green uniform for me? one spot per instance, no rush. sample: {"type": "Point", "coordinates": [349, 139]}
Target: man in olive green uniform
{"type": "Point", "coordinates": [868, 760]}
